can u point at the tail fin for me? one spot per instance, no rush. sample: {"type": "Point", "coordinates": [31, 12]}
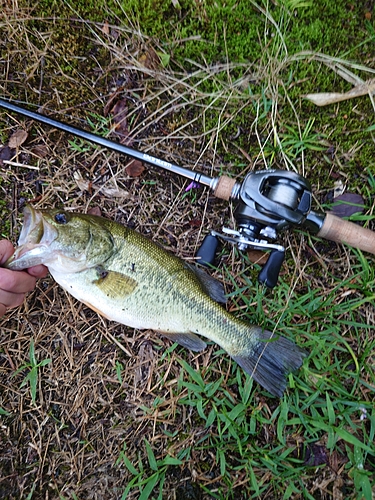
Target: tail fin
{"type": "Point", "coordinates": [270, 361]}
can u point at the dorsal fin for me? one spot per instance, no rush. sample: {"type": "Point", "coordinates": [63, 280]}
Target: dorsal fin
{"type": "Point", "coordinates": [210, 285]}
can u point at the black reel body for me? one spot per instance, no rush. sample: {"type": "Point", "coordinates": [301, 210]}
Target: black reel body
{"type": "Point", "coordinates": [269, 200]}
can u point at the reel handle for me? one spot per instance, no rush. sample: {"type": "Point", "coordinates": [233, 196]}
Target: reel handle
{"type": "Point", "coordinates": [343, 231]}
{"type": "Point", "coordinates": [269, 273]}
{"type": "Point", "coordinates": [207, 251]}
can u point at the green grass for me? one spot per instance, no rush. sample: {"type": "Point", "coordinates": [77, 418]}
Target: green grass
{"type": "Point", "coordinates": [325, 420]}
{"type": "Point", "coordinates": [329, 402]}
{"type": "Point", "coordinates": [148, 484]}
{"type": "Point", "coordinates": [33, 368]}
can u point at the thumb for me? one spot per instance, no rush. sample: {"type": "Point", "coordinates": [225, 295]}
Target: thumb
{"type": "Point", "coordinates": [6, 250]}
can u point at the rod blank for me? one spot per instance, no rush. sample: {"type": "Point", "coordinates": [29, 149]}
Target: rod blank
{"type": "Point", "coordinates": [197, 177]}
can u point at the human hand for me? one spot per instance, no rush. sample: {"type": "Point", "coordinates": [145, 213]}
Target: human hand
{"type": "Point", "coordinates": [15, 284]}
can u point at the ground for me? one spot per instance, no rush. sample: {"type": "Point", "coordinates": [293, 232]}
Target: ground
{"type": "Point", "coordinates": [217, 87]}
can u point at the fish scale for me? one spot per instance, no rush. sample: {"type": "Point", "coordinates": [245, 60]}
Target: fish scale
{"type": "Point", "coordinates": [128, 278]}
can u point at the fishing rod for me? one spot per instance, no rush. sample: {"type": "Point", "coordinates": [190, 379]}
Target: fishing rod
{"type": "Point", "coordinates": [267, 202]}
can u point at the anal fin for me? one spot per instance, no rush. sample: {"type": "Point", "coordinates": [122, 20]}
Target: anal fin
{"type": "Point", "coordinates": [188, 340]}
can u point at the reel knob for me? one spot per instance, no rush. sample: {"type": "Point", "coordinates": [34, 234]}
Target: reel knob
{"type": "Point", "coordinates": [207, 251]}
{"type": "Point", "coordinates": [270, 271]}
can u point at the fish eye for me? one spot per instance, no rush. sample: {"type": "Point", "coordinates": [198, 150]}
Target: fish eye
{"type": "Point", "coordinates": [61, 219]}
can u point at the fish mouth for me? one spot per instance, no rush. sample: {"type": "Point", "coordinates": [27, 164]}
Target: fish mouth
{"type": "Point", "coordinates": [34, 241]}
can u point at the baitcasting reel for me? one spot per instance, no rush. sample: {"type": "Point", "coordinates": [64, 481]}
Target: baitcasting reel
{"type": "Point", "coordinates": [269, 200]}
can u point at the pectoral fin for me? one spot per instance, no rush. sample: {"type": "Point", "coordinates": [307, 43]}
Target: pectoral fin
{"type": "Point", "coordinates": [115, 285]}
{"type": "Point", "coordinates": [187, 340]}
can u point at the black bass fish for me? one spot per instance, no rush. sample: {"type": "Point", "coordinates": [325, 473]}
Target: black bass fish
{"type": "Point", "coordinates": [127, 278]}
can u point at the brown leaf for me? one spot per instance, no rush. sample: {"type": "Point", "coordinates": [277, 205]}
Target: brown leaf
{"type": "Point", "coordinates": [105, 28]}
{"type": "Point", "coordinates": [134, 168]}
{"type": "Point", "coordinates": [40, 150]}
{"type": "Point", "coordinates": [348, 204]}
{"type": "Point", "coordinates": [95, 211]}
{"type": "Point", "coordinates": [18, 138]}
{"type": "Point", "coordinates": [257, 256]}
{"type": "Point", "coordinates": [108, 190]}
{"type": "Point", "coordinates": [120, 111]}
{"type": "Point", "coordinates": [80, 181]}
{"type": "Point", "coordinates": [195, 222]}
{"type": "Point", "coordinates": [111, 101]}
{"type": "Point", "coordinates": [149, 59]}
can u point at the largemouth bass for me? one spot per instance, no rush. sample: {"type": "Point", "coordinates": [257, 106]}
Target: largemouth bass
{"type": "Point", "coordinates": [127, 278]}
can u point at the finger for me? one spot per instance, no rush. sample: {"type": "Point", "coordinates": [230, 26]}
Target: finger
{"type": "Point", "coordinates": [3, 310]}
{"type": "Point", "coordinates": [16, 281]}
{"type": "Point", "coordinates": [9, 299]}
{"type": "Point", "coordinates": [6, 250]}
{"type": "Point", "coordinates": [38, 271]}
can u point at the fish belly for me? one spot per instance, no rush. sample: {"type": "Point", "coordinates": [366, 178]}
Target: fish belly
{"type": "Point", "coordinates": [141, 309]}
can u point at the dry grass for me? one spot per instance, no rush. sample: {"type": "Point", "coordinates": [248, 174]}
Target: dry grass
{"type": "Point", "coordinates": [109, 387]}
{"type": "Point", "coordinates": [69, 442]}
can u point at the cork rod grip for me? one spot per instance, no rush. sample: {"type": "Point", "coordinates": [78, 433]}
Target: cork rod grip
{"type": "Point", "coordinates": [343, 231]}
{"type": "Point", "coordinates": [224, 187]}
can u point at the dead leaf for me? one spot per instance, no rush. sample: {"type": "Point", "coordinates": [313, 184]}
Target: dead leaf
{"type": "Point", "coordinates": [40, 150]}
{"type": "Point", "coordinates": [338, 188]}
{"type": "Point", "coordinates": [348, 204]}
{"type": "Point", "coordinates": [325, 98]}
{"type": "Point", "coordinates": [111, 101]}
{"type": "Point", "coordinates": [114, 33]}
{"type": "Point", "coordinates": [95, 211]}
{"type": "Point", "coordinates": [105, 28]}
{"type": "Point", "coordinates": [6, 154]}
{"type": "Point", "coordinates": [195, 222]}
{"type": "Point", "coordinates": [120, 111]}
{"type": "Point", "coordinates": [134, 168]}
{"type": "Point", "coordinates": [257, 256]}
{"type": "Point", "coordinates": [81, 183]}
{"type": "Point", "coordinates": [110, 191]}
{"type": "Point", "coordinates": [18, 138]}
{"type": "Point", "coordinates": [149, 59]}
{"type": "Point", "coordinates": [315, 454]}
